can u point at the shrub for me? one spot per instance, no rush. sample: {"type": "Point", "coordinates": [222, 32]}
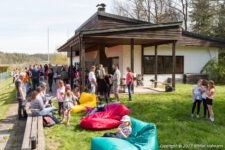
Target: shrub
{"type": "Point", "coordinates": [215, 69]}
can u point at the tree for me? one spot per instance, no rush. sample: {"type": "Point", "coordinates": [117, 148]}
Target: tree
{"type": "Point", "coordinates": [219, 28]}
{"type": "Point", "coordinates": [154, 11]}
{"type": "Point", "coordinates": [202, 17]}
{"type": "Point", "coordinates": [58, 58]}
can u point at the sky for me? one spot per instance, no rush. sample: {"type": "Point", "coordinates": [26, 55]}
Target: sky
{"type": "Point", "coordinates": [24, 24]}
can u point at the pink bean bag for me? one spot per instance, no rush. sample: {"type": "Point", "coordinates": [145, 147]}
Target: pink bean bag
{"type": "Point", "coordinates": [108, 119]}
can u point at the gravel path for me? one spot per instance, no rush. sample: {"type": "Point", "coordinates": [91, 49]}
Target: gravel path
{"type": "Point", "coordinates": [11, 130]}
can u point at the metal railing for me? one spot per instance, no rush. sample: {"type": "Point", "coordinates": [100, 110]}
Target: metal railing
{"type": "Point", "coordinates": [4, 75]}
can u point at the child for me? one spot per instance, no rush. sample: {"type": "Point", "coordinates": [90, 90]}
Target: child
{"type": "Point", "coordinates": [60, 95]}
{"type": "Point", "coordinates": [67, 105]}
{"type": "Point", "coordinates": [204, 89]}
{"type": "Point", "coordinates": [99, 108]}
{"type": "Point", "coordinates": [209, 99]}
{"type": "Point", "coordinates": [124, 130]}
{"type": "Point", "coordinates": [197, 98]}
{"type": "Point", "coordinates": [77, 93]}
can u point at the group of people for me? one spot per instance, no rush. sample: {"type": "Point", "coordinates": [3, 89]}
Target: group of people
{"type": "Point", "coordinates": [204, 92]}
{"type": "Point", "coordinates": [100, 83]}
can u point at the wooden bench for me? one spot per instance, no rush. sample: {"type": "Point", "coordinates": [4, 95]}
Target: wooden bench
{"type": "Point", "coordinates": [168, 87]}
{"type": "Point", "coordinates": [34, 128]}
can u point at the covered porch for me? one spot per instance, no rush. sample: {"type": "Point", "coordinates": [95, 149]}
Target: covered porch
{"type": "Point", "coordinates": [101, 43]}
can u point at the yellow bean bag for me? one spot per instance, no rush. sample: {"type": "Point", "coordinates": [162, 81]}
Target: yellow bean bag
{"type": "Point", "coordinates": [86, 100]}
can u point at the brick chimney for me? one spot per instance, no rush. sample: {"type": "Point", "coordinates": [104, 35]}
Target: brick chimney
{"type": "Point", "coordinates": [101, 7]}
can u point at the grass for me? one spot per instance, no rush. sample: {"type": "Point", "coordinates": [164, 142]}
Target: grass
{"type": "Point", "coordinates": [7, 96]}
{"type": "Point", "coordinates": [169, 111]}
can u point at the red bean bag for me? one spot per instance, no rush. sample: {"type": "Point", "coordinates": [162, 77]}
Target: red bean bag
{"type": "Point", "coordinates": [105, 120]}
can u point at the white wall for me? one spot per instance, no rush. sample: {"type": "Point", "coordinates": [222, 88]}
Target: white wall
{"type": "Point", "coordinates": [194, 57]}
{"type": "Point", "coordinates": [116, 51]}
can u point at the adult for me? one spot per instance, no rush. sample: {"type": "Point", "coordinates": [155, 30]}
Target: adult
{"type": "Point", "coordinates": [42, 73]}
{"type": "Point", "coordinates": [92, 80]}
{"type": "Point", "coordinates": [101, 79]}
{"type": "Point", "coordinates": [55, 75]}
{"type": "Point", "coordinates": [64, 74]}
{"type": "Point", "coordinates": [21, 97]}
{"type": "Point", "coordinates": [38, 108]}
{"type": "Point", "coordinates": [129, 82]}
{"type": "Point", "coordinates": [35, 77]}
{"type": "Point", "coordinates": [50, 79]}
{"type": "Point", "coordinates": [116, 82]}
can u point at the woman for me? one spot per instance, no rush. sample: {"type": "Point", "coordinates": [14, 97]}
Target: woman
{"type": "Point", "coordinates": [211, 92]}
{"type": "Point", "coordinates": [38, 108]}
{"type": "Point", "coordinates": [92, 80]}
{"type": "Point", "coordinates": [50, 79]}
{"type": "Point", "coordinates": [129, 82]}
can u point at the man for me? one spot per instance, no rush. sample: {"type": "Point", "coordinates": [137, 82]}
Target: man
{"type": "Point", "coordinates": [35, 77]}
{"type": "Point", "coordinates": [21, 97]}
{"type": "Point", "coordinates": [116, 82]}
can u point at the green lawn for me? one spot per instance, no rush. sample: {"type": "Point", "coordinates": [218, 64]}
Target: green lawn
{"type": "Point", "coordinates": [169, 111]}
{"type": "Point", "coordinates": [7, 96]}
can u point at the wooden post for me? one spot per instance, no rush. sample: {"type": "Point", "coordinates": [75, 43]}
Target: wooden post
{"type": "Point", "coordinates": [82, 63]}
{"type": "Point", "coordinates": [71, 67]}
{"type": "Point", "coordinates": [156, 65]}
{"type": "Point", "coordinates": [174, 65]}
{"type": "Point", "coordinates": [132, 58]}
{"type": "Point", "coordinates": [132, 54]}
{"type": "Point", "coordinates": [142, 59]}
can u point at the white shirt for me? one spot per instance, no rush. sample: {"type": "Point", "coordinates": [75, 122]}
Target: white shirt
{"type": "Point", "coordinates": [91, 77]}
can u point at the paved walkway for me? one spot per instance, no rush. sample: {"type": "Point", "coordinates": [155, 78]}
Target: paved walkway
{"type": "Point", "coordinates": [11, 130]}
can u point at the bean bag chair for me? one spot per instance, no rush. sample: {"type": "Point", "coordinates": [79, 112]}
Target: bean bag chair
{"type": "Point", "coordinates": [105, 120]}
{"type": "Point", "coordinates": [86, 100]}
{"type": "Point", "coordinates": [143, 137]}
{"type": "Point", "coordinates": [107, 107]}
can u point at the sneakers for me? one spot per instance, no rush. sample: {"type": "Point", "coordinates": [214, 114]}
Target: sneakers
{"type": "Point", "coordinates": [192, 115]}
{"type": "Point", "coordinates": [197, 116]}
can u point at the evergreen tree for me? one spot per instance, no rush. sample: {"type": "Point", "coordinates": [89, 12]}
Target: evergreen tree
{"type": "Point", "coordinates": [202, 17]}
{"type": "Point", "coordinates": [219, 29]}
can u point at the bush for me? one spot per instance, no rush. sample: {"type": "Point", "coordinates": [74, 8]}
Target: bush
{"type": "Point", "coordinates": [215, 69]}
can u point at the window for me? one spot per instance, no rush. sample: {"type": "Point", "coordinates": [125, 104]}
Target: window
{"type": "Point", "coordinates": [165, 65]}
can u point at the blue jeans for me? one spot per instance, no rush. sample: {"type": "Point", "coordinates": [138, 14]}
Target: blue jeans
{"type": "Point", "coordinates": [46, 111]}
{"type": "Point", "coordinates": [129, 87]}
{"type": "Point", "coordinates": [35, 83]}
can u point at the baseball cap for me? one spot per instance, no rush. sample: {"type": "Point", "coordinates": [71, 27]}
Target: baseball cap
{"type": "Point", "coordinates": [125, 118]}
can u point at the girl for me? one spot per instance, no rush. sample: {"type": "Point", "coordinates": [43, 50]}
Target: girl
{"type": "Point", "coordinates": [209, 99]}
{"type": "Point", "coordinates": [60, 95]}
{"type": "Point", "coordinates": [197, 98]}
{"type": "Point", "coordinates": [204, 89]}
{"type": "Point", "coordinates": [67, 105]}
{"type": "Point", "coordinates": [124, 130]}
{"type": "Point", "coordinates": [77, 93]}
{"type": "Point", "coordinates": [129, 82]}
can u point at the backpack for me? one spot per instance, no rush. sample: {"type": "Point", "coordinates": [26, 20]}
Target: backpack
{"type": "Point", "coordinates": [168, 88]}
{"type": "Point", "coordinates": [47, 121]}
